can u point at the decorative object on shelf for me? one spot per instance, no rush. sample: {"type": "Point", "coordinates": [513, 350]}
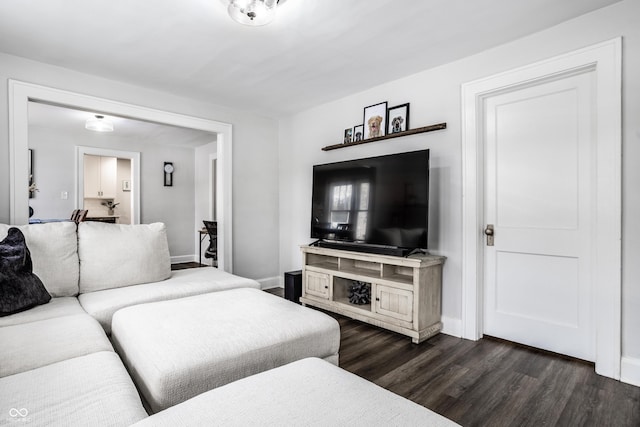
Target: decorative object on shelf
{"type": "Point", "coordinates": [358, 133]}
{"type": "Point", "coordinates": [126, 185]}
{"type": "Point", "coordinates": [375, 120]}
{"type": "Point", "coordinates": [252, 12]}
{"type": "Point", "coordinates": [110, 206]}
{"type": "Point", "coordinates": [348, 134]}
{"type": "Point", "coordinates": [98, 124]}
{"type": "Point", "coordinates": [430, 128]}
{"type": "Point", "coordinates": [360, 293]}
{"type": "Point", "coordinates": [398, 119]}
{"type": "Point", "coordinates": [168, 174]}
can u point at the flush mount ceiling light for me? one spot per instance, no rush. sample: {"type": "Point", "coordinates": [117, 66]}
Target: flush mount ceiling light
{"type": "Point", "coordinates": [99, 124]}
{"type": "Point", "coordinates": [252, 12]}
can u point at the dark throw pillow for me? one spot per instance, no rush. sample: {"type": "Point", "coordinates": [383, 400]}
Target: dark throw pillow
{"type": "Point", "coordinates": [20, 289]}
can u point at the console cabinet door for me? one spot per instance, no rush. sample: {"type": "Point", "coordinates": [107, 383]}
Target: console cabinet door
{"type": "Point", "coordinates": [316, 284]}
{"type": "Point", "coordinates": [392, 302]}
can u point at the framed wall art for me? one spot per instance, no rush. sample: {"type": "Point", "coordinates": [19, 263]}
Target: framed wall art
{"type": "Point", "coordinates": [398, 119]}
{"type": "Point", "coordinates": [348, 135]}
{"type": "Point", "coordinates": [358, 132]}
{"type": "Point", "coordinates": [375, 118]}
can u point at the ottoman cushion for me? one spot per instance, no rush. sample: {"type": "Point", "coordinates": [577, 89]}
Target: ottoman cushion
{"type": "Point", "coordinates": [309, 392]}
{"type": "Point", "coordinates": [177, 349]}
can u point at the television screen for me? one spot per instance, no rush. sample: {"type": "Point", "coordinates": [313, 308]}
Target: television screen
{"type": "Point", "coordinates": [377, 201]}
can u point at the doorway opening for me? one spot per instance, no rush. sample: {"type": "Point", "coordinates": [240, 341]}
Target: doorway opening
{"type": "Point", "coordinates": [21, 93]}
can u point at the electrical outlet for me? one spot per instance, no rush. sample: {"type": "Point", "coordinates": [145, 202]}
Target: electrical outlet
{"type": "Point", "coordinates": [64, 195]}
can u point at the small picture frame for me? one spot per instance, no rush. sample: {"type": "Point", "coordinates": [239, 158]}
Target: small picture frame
{"type": "Point", "coordinates": [348, 136]}
{"type": "Point", "coordinates": [398, 119]}
{"type": "Point", "coordinates": [375, 120]}
{"type": "Point", "coordinates": [126, 185]}
{"type": "Point", "coordinates": [358, 133]}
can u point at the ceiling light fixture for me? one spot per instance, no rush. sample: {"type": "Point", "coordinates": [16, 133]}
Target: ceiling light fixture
{"type": "Point", "coordinates": [99, 124]}
{"type": "Point", "coordinates": [252, 12]}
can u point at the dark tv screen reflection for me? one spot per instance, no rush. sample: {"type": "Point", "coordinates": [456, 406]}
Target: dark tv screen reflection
{"type": "Point", "coordinates": [374, 201]}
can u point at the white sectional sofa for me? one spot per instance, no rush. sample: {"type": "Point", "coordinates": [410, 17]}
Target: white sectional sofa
{"type": "Point", "coordinates": [58, 366]}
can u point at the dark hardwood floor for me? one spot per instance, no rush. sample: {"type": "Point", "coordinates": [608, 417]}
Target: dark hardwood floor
{"type": "Point", "coordinates": [488, 382]}
{"type": "Point", "coordinates": [185, 265]}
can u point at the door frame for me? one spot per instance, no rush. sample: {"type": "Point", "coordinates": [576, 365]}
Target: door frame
{"type": "Point", "coordinates": [605, 60]}
{"type": "Point", "coordinates": [133, 156]}
{"type": "Point", "coordinates": [21, 93]}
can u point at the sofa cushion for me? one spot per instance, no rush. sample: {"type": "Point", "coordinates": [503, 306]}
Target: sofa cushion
{"type": "Point", "coordinates": [36, 344]}
{"type": "Point", "coordinates": [20, 289]}
{"type": "Point", "coordinates": [116, 255]}
{"type": "Point", "coordinates": [182, 283]}
{"type": "Point", "coordinates": [307, 392]}
{"type": "Point", "coordinates": [92, 390]}
{"type": "Point", "coordinates": [57, 307]}
{"type": "Point", "coordinates": [54, 253]}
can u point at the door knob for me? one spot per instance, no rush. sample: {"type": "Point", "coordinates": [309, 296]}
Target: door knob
{"type": "Point", "coordinates": [489, 232]}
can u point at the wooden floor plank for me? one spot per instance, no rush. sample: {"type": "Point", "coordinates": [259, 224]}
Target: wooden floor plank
{"type": "Point", "coordinates": [487, 382]}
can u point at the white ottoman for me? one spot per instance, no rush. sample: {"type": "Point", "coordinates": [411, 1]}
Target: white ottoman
{"type": "Point", "coordinates": [177, 349]}
{"type": "Point", "coordinates": [308, 392]}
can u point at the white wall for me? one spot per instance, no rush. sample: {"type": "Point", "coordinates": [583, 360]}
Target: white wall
{"type": "Point", "coordinates": [435, 97]}
{"type": "Point", "coordinates": [53, 172]}
{"type": "Point", "coordinates": [254, 160]}
{"type": "Point", "coordinates": [123, 197]}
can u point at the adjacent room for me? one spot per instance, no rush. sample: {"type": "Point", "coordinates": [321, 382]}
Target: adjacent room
{"type": "Point", "coordinates": [318, 212]}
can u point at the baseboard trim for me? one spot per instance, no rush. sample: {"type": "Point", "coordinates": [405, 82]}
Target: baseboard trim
{"type": "Point", "coordinates": [630, 371]}
{"type": "Point", "coordinates": [270, 282]}
{"type": "Point", "coordinates": [451, 326]}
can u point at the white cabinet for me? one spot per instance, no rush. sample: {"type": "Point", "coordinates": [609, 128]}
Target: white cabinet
{"type": "Point", "coordinates": [393, 302]}
{"type": "Point", "coordinates": [405, 293]}
{"type": "Point", "coordinates": [100, 177]}
{"type": "Point", "coordinates": [317, 284]}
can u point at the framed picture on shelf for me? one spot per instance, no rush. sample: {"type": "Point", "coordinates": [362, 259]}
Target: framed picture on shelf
{"type": "Point", "coordinates": [348, 135]}
{"type": "Point", "coordinates": [358, 132]}
{"type": "Point", "coordinates": [375, 120]}
{"type": "Point", "coordinates": [398, 119]}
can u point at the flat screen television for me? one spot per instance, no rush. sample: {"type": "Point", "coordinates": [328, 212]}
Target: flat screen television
{"type": "Point", "coordinates": [373, 203]}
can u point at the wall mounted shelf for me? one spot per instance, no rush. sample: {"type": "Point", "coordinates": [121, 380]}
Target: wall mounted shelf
{"type": "Point", "coordinates": [431, 128]}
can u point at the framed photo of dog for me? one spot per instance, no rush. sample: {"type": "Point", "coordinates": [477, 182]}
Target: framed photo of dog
{"type": "Point", "coordinates": [375, 120]}
{"type": "Point", "coordinates": [348, 135]}
{"type": "Point", "coordinates": [398, 119]}
{"type": "Point", "coordinates": [358, 133]}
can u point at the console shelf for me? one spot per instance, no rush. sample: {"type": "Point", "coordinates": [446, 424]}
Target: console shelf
{"type": "Point", "coordinates": [405, 292]}
{"type": "Point", "coordinates": [431, 128]}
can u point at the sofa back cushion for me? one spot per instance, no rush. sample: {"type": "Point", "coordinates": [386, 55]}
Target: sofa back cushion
{"type": "Point", "coordinates": [117, 255]}
{"type": "Point", "coordinates": [54, 253]}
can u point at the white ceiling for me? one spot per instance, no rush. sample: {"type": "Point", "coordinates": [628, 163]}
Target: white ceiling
{"type": "Point", "coordinates": [314, 52]}
{"type": "Point", "coordinates": [71, 122]}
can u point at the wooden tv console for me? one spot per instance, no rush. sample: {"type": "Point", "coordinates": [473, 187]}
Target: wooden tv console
{"type": "Point", "coordinates": [405, 292]}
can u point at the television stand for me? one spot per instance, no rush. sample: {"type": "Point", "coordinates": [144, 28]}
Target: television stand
{"type": "Point", "coordinates": [405, 293]}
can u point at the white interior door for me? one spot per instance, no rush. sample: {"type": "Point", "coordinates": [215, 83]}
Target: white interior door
{"type": "Point", "coordinates": [540, 199]}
